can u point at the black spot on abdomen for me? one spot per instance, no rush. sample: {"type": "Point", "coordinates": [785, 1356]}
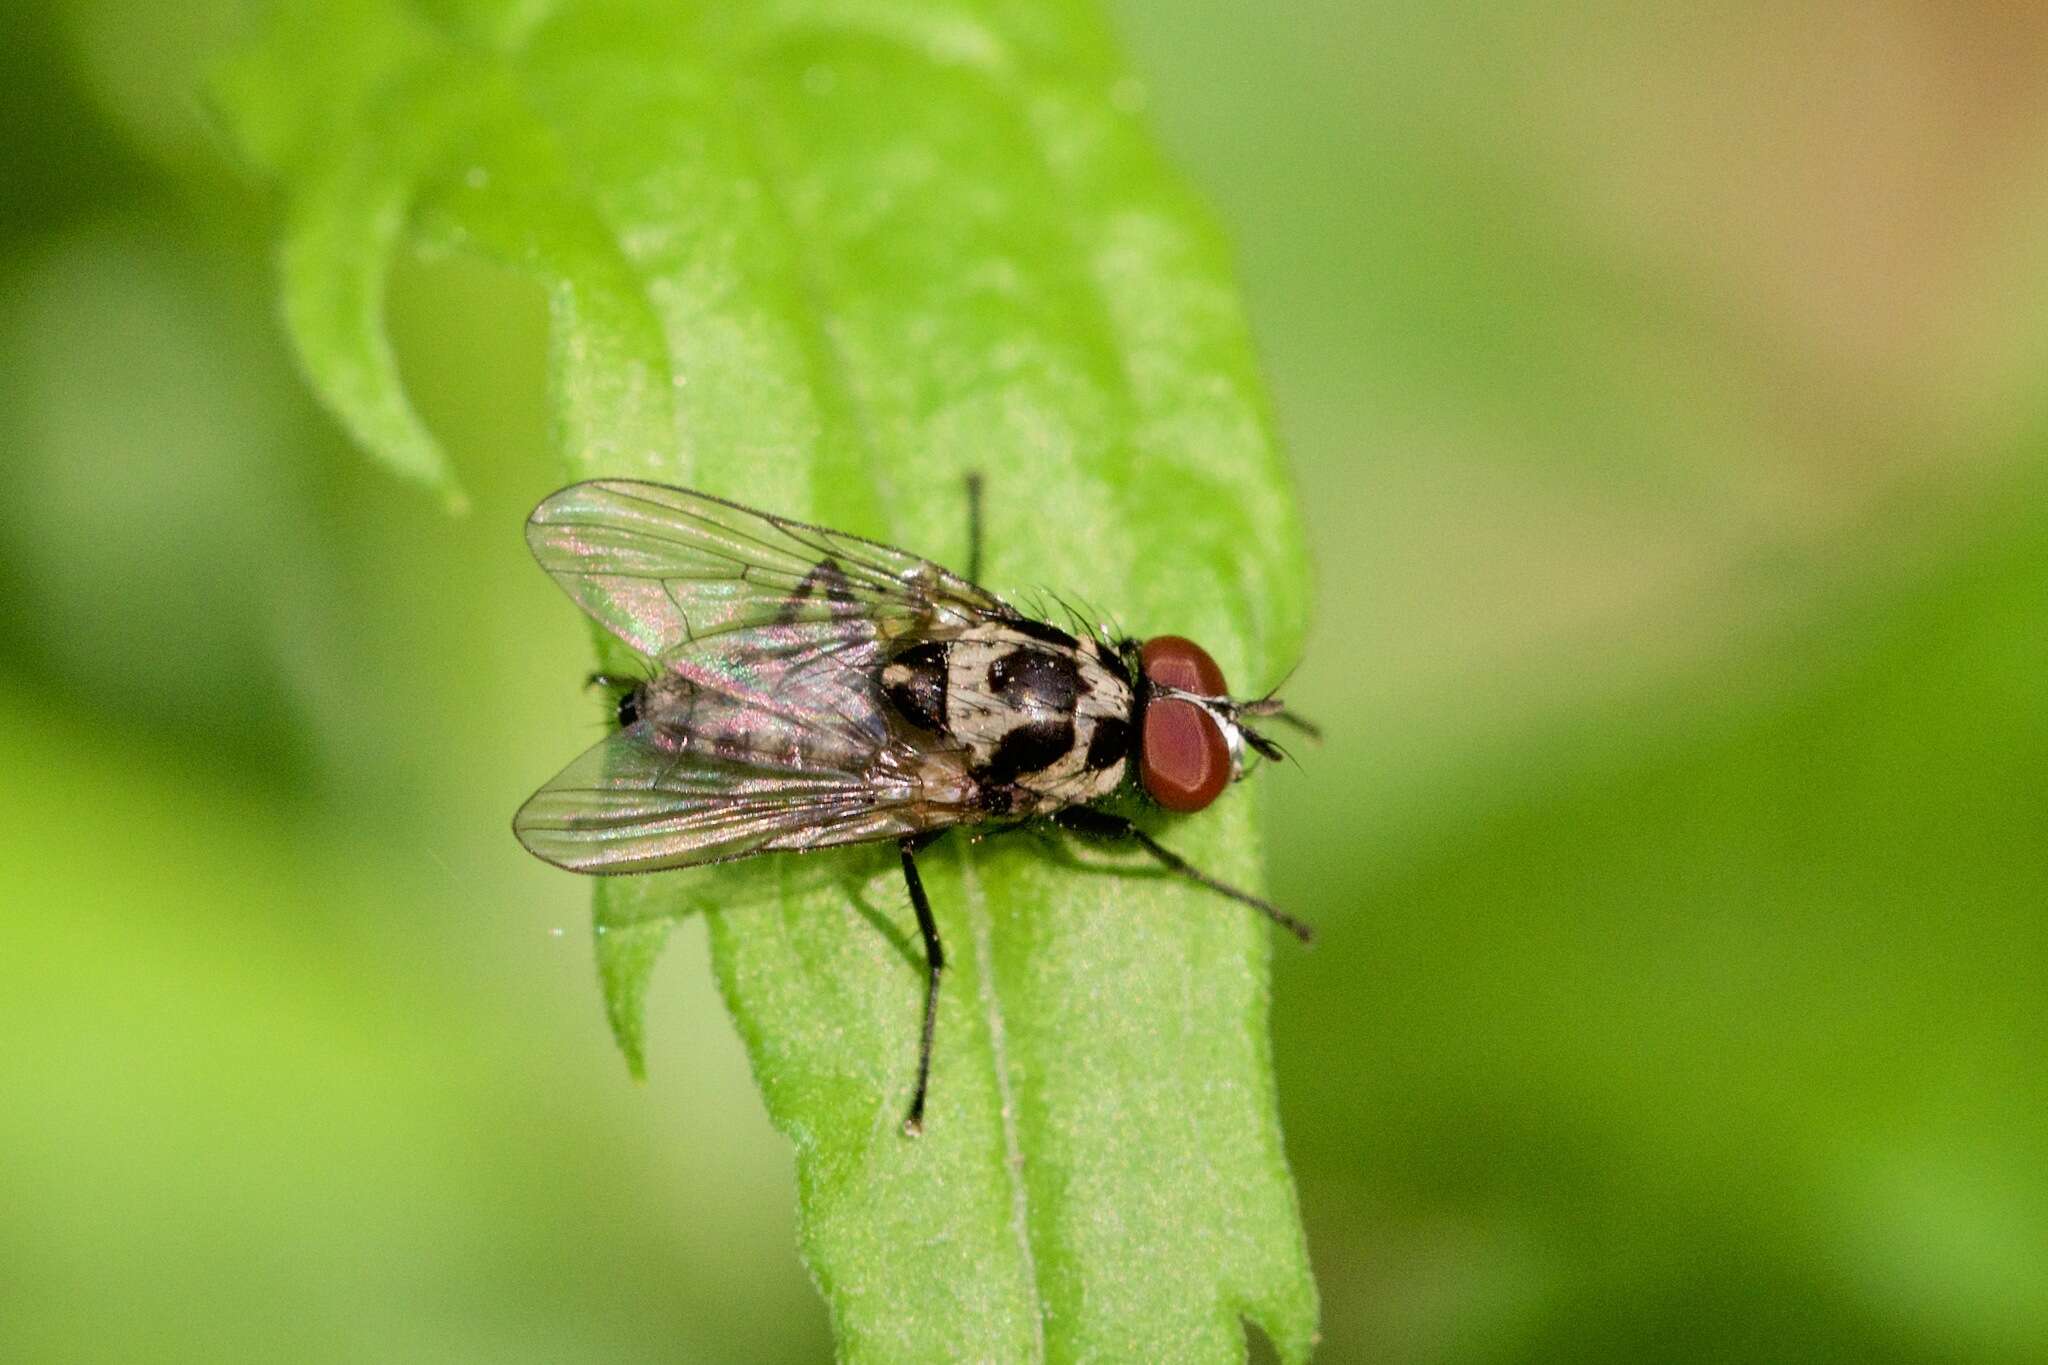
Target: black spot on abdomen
{"type": "Point", "coordinates": [1026, 749]}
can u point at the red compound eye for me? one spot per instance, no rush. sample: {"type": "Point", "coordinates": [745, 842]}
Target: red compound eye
{"type": "Point", "coordinates": [1176, 661]}
{"type": "Point", "coordinates": [1183, 758]}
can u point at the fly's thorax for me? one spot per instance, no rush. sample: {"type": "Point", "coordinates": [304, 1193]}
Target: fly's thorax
{"type": "Point", "coordinates": [1043, 719]}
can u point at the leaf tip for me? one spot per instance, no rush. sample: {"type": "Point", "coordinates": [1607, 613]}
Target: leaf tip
{"type": "Point", "coordinates": [627, 948]}
{"type": "Point", "coordinates": [632, 1049]}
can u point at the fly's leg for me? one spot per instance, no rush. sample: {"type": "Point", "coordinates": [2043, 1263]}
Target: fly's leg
{"type": "Point", "coordinates": [974, 527]}
{"type": "Point", "coordinates": [935, 962]}
{"type": "Point", "coordinates": [1098, 824]}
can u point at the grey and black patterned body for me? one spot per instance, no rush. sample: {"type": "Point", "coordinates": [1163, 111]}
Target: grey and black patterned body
{"type": "Point", "coordinates": [1043, 719]}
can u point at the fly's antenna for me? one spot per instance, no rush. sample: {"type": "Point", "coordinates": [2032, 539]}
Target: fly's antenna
{"type": "Point", "coordinates": [1265, 748]}
{"type": "Point", "coordinates": [1232, 714]}
{"type": "Point", "coordinates": [1270, 707]}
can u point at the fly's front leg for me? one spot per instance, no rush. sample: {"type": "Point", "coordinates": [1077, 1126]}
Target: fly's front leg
{"type": "Point", "coordinates": [1086, 820]}
{"type": "Point", "coordinates": [974, 528]}
{"type": "Point", "coordinates": [935, 962]}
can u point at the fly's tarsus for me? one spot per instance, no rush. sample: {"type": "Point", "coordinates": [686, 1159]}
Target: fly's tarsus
{"type": "Point", "coordinates": [934, 963]}
{"type": "Point", "coordinates": [1096, 824]}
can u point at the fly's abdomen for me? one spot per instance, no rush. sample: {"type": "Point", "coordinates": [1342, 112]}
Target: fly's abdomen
{"type": "Point", "coordinates": [683, 718]}
{"type": "Point", "coordinates": [915, 684]}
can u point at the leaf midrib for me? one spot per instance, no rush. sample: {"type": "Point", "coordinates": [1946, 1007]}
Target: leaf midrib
{"type": "Point", "coordinates": [837, 375]}
{"type": "Point", "coordinates": [981, 926]}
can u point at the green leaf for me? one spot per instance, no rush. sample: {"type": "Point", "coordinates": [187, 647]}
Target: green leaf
{"type": "Point", "coordinates": [630, 923]}
{"type": "Point", "coordinates": [826, 258]}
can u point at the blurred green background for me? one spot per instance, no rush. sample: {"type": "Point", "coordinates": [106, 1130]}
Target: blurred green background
{"type": "Point", "coordinates": [1666, 392]}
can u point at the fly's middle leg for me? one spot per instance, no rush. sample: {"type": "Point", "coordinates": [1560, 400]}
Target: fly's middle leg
{"type": "Point", "coordinates": [935, 963]}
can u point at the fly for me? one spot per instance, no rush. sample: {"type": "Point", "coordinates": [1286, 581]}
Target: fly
{"type": "Point", "coordinates": [808, 688]}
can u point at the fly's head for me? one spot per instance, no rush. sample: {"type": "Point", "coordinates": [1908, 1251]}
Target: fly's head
{"type": "Point", "coordinates": [1193, 735]}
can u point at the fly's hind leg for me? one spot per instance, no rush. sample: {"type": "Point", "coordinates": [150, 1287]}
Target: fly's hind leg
{"type": "Point", "coordinates": [1086, 820]}
{"type": "Point", "coordinates": [935, 963]}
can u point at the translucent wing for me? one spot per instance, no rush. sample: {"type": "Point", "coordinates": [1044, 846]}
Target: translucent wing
{"type": "Point", "coordinates": [764, 726]}
{"type": "Point", "coordinates": [648, 798]}
{"type": "Point", "coordinates": [666, 569]}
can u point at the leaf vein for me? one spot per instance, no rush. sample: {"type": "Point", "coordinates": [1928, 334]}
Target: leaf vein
{"type": "Point", "coordinates": [982, 929]}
